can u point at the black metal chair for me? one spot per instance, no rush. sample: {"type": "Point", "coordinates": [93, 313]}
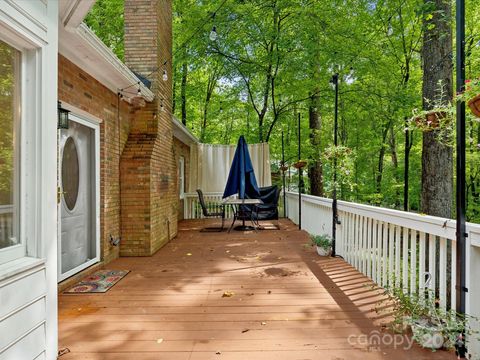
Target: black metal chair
{"type": "Point", "coordinates": [268, 210]}
{"type": "Point", "coordinates": [206, 213]}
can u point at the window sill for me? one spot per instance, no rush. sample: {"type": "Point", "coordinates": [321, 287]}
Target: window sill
{"type": "Point", "coordinates": [18, 266]}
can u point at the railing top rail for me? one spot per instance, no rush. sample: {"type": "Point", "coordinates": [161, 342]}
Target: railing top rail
{"type": "Point", "coordinates": [430, 224]}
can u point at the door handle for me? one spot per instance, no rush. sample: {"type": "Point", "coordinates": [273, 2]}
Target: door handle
{"type": "Point", "coordinates": [59, 194]}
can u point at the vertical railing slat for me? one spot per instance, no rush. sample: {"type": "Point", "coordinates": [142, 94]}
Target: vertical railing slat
{"type": "Point", "coordinates": [398, 255]}
{"type": "Point", "coordinates": [453, 277]}
{"type": "Point", "coordinates": [385, 254]}
{"type": "Point", "coordinates": [413, 262]}
{"type": "Point", "coordinates": [374, 252]}
{"type": "Point", "coordinates": [390, 253]}
{"type": "Point", "coordinates": [443, 273]}
{"type": "Point", "coordinates": [405, 269]}
{"type": "Point", "coordinates": [421, 265]}
{"type": "Point", "coordinates": [432, 241]}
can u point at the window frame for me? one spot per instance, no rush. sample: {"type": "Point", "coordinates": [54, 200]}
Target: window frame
{"type": "Point", "coordinates": [181, 177]}
{"type": "Point", "coordinates": [27, 174]}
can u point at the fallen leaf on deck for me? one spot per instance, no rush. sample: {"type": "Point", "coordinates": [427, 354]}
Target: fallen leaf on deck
{"type": "Point", "coordinates": [218, 353]}
{"type": "Point", "coordinates": [227, 251]}
{"type": "Point", "coordinates": [244, 331]}
{"type": "Point", "coordinates": [263, 323]}
{"type": "Point", "coordinates": [269, 291]}
{"type": "Point", "coordinates": [250, 294]}
{"type": "Point", "coordinates": [189, 254]}
{"type": "Point", "coordinates": [159, 341]}
{"type": "Point", "coordinates": [228, 294]}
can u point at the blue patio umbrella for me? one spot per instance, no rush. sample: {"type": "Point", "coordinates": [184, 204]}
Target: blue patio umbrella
{"type": "Point", "coordinates": [241, 179]}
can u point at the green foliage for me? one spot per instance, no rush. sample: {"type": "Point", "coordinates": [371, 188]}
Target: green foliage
{"type": "Point", "coordinates": [106, 20]}
{"type": "Point", "coordinates": [273, 57]}
{"type": "Point", "coordinates": [323, 241]}
{"type": "Point", "coordinates": [422, 311]}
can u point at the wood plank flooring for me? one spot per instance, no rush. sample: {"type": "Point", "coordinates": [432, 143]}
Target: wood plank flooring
{"type": "Point", "coordinates": [244, 296]}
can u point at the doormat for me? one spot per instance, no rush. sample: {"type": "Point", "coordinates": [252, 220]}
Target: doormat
{"type": "Point", "coordinates": [99, 282]}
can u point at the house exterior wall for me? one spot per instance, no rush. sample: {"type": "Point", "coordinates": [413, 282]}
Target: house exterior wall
{"type": "Point", "coordinates": [28, 287]}
{"type": "Point", "coordinates": [182, 149]}
{"type": "Point", "coordinates": [80, 90]}
{"type": "Point", "coordinates": [148, 166]}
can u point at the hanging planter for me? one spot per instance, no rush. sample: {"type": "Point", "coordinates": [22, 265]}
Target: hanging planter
{"type": "Point", "coordinates": [430, 120]}
{"type": "Point", "coordinates": [474, 105]}
{"type": "Point", "coordinates": [283, 167]}
{"type": "Point", "coordinates": [300, 164]}
{"type": "Point", "coordinates": [471, 96]}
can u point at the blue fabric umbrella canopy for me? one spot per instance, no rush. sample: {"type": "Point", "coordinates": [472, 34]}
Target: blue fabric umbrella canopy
{"type": "Point", "coordinates": [241, 179]}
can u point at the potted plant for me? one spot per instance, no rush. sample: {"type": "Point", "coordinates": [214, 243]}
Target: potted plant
{"type": "Point", "coordinates": [471, 96]}
{"type": "Point", "coordinates": [439, 116]}
{"type": "Point", "coordinates": [431, 326]}
{"type": "Point", "coordinates": [300, 164]}
{"type": "Point", "coordinates": [323, 243]}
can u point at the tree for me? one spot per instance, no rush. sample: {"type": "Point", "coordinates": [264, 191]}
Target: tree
{"type": "Point", "coordinates": [437, 158]}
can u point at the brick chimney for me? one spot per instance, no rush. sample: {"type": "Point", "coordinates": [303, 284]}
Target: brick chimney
{"type": "Point", "coordinates": [148, 171]}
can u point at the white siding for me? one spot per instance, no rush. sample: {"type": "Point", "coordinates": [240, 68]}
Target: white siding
{"type": "Point", "coordinates": [28, 286]}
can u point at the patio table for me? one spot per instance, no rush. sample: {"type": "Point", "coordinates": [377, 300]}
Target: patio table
{"type": "Point", "coordinates": [237, 212]}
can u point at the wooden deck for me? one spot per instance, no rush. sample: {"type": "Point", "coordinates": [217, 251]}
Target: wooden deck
{"type": "Point", "coordinates": [234, 296]}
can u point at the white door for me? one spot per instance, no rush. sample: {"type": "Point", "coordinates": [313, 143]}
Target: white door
{"type": "Point", "coordinates": [78, 244]}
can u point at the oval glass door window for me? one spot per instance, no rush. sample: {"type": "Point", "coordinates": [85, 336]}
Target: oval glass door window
{"type": "Point", "coordinates": [70, 173]}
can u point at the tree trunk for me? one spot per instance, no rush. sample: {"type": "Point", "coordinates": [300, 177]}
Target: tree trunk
{"type": "Point", "coordinates": [184, 92]}
{"type": "Point", "coordinates": [437, 159]}
{"type": "Point", "coordinates": [315, 169]}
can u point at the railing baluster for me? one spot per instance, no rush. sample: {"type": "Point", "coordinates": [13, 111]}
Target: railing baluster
{"type": "Point", "coordinates": [385, 254]}
{"type": "Point", "coordinates": [413, 262]}
{"type": "Point", "coordinates": [432, 241]}
{"type": "Point", "coordinates": [453, 277]}
{"type": "Point", "coordinates": [405, 241]}
{"type": "Point", "coordinates": [368, 247]}
{"type": "Point", "coordinates": [391, 253]}
{"type": "Point", "coordinates": [421, 265]}
{"type": "Point", "coordinates": [351, 238]}
{"type": "Point", "coordinates": [398, 255]}
{"type": "Point", "coordinates": [374, 251]}
{"type": "Point", "coordinates": [443, 273]}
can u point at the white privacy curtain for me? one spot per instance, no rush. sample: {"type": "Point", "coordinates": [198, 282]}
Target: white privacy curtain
{"type": "Point", "coordinates": [210, 165]}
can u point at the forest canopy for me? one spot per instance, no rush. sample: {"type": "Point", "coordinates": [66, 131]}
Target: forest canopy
{"type": "Point", "coordinates": [270, 60]}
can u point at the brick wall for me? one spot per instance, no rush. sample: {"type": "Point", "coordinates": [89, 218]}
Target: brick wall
{"type": "Point", "coordinates": [182, 149]}
{"type": "Point", "coordinates": [79, 89]}
{"type": "Point", "coordinates": [148, 167]}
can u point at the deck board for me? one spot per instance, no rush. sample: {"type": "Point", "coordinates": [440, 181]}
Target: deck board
{"type": "Point", "coordinates": [287, 304]}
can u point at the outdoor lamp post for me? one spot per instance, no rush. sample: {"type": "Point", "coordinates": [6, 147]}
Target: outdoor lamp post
{"type": "Point", "coordinates": [461, 286]}
{"type": "Point", "coordinates": [334, 81]}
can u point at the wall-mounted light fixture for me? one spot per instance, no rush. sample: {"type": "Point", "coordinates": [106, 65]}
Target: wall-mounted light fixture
{"type": "Point", "coordinates": [62, 117]}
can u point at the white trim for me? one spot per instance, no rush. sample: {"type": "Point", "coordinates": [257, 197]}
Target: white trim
{"type": "Point", "coordinates": [82, 47]}
{"type": "Point", "coordinates": [90, 122]}
{"type": "Point", "coordinates": [181, 132]}
{"type": "Point", "coordinates": [181, 176]}
{"type": "Point", "coordinates": [81, 114]}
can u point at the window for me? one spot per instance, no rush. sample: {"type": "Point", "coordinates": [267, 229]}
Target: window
{"type": "Point", "coordinates": [9, 146]}
{"type": "Point", "coordinates": [181, 176]}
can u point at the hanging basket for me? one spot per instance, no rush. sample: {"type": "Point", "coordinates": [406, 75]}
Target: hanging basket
{"type": "Point", "coordinates": [431, 120]}
{"type": "Point", "coordinates": [300, 164]}
{"type": "Point", "coordinates": [474, 105]}
{"type": "Point", "coordinates": [283, 168]}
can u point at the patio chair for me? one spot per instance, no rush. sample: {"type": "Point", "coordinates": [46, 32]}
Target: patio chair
{"type": "Point", "coordinates": [206, 213]}
{"type": "Point", "coordinates": [269, 209]}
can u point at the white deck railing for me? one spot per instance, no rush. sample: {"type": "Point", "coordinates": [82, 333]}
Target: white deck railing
{"type": "Point", "coordinates": [193, 210]}
{"type": "Point", "coordinates": [393, 248]}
